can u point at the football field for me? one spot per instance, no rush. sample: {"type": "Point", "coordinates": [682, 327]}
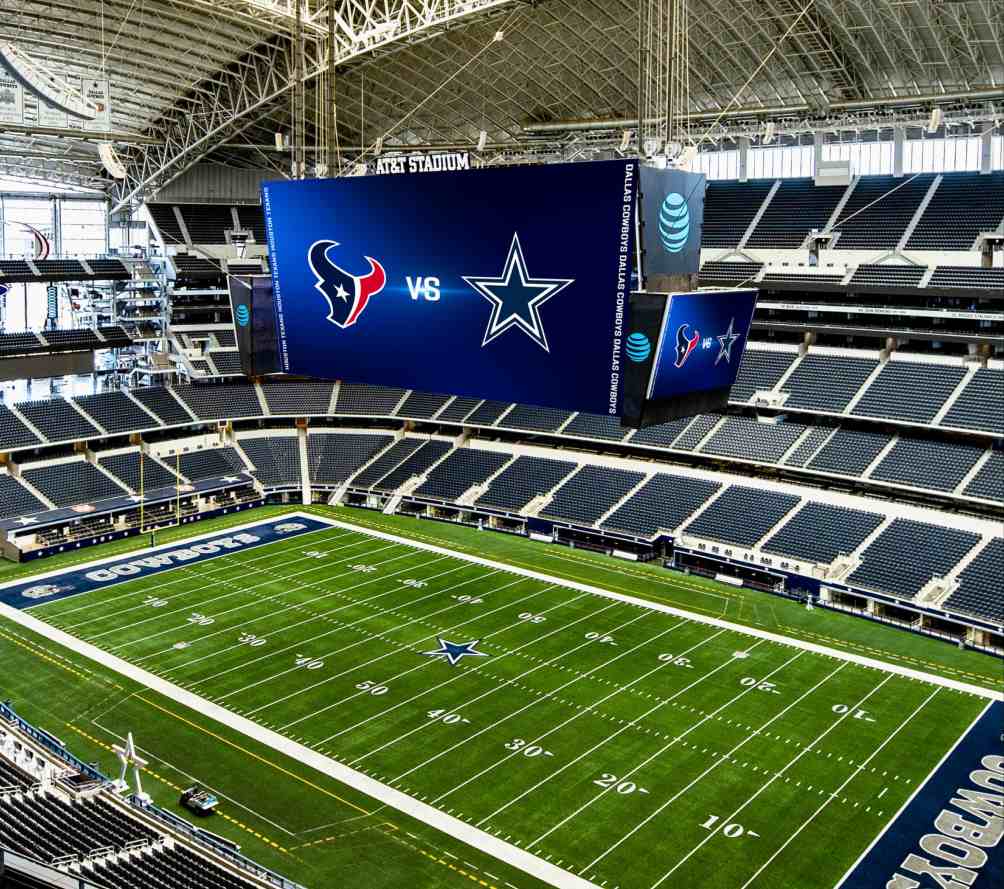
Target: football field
{"type": "Point", "coordinates": [626, 745]}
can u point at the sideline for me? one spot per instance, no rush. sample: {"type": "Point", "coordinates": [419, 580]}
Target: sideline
{"type": "Point", "coordinates": [518, 858]}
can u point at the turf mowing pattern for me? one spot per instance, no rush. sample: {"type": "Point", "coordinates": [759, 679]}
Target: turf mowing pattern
{"type": "Point", "coordinates": [631, 747]}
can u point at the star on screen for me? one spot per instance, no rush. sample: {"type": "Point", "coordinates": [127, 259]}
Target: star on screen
{"type": "Point", "coordinates": [454, 651]}
{"type": "Point", "coordinates": [516, 297]}
{"type": "Point", "coordinates": [725, 343]}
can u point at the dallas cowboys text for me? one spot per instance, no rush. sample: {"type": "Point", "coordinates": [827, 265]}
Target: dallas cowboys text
{"type": "Point", "coordinates": [623, 276]}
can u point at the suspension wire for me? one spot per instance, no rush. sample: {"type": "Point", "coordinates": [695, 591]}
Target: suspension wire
{"type": "Point", "coordinates": [494, 39]}
{"type": "Point", "coordinates": [736, 95]}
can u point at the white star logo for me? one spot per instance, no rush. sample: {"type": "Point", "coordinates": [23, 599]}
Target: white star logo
{"type": "Point", "coordinates": [517, 303]}
{"type": "Point", "coordinates": [342, 294]}
{"type": "Point", "coordinates": [26, 520]}
{"type": "Point", "coordinates": [725, 342]}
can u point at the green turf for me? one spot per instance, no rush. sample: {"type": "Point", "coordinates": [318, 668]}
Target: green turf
{"type": "Point", "coordinates": [683, 721]}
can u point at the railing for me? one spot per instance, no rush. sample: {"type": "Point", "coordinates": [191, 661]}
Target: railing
{"type": "Point", "coordinates": [219, 845]}
{"type": "Point", "coordinates": [50, 743]}
{"type": "Point", "coordinates": [13, 863]}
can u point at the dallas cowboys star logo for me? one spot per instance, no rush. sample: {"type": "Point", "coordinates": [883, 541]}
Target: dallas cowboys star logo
{"type": "Point", "coordinates": [516, 303]}
{"type": "Point", "coordinates": [725, 342]}
{"type": "Point", "coordinates": [454, 651]}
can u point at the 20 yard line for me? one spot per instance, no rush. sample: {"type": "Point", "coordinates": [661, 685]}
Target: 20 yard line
{"type": "Point", "coordinates": [721, 759]}
{"type": "Point", "coordinates": [663, 749]}
{"type": "Point", "coordinates": [272, 579]}
{"type": "Point", "coordinates": [210, 567]}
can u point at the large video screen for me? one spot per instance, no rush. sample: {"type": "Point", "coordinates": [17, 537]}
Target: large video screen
{"type": "Point", "coordinates": [507, 283]}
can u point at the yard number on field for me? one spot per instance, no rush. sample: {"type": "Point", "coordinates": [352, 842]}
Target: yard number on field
{"type": "Point", "coordinates": [750, 682]}
{"type": "Point", "coordinates": [733, 831]}
{"type": "Point", "coordinates": [363, 569]}
{"type": "Point", "coordinates": [518, 745]}
{"type": "Point", "coordinates": [250, 639]}
{"type": "Point", "coordinates": [308, 662]}
{"type": "Point", "coordinates": [841, 709]}
{"type": "Point", "coordinates": [415, 584]}
{"type": "Point", "coordinates": [593, 636]}
{"type": "Point", "coordinates": [624, 788]}
{"type": "Point", "coordinates": [446, 717]}
{"type": "Point", "coordinates": [676, 661]}
{"type": "Point", "coordinates": [201, 620]}
{"type": "Point", "coordinates": [371, 687]}
{"type": "Point", "coordinates": [468, 600]}
{"type": "Point", "coordinates": [532, 618]}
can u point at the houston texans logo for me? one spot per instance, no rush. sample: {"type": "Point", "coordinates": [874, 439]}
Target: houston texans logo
{"type": "Point", "coordinates": [347, 295]}
{"type": "Point", "coordinates": [684, 344]}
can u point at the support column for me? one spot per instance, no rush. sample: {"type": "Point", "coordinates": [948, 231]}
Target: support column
{"type": "Point", "coordinates": [986, 146]}
{"type": "Point", "coordinates": [744, 154]}
{"type": "Point", "coordinates": [898, 143]}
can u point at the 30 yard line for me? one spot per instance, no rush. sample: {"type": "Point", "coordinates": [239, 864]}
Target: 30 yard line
{"type": "Point", "coordinates": [525, 707]}
{"type": "Point", "coordinates": [202, 603]}
{"type": "Point", "coordinates": [241, 607]}
{"type": "Point", "coordinates": [341, 591]}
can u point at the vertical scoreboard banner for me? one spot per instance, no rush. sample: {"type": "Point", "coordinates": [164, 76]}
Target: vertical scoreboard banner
{"type": "Point", "coordinates": [11, 99]}
{"type": "Point", "coordinates": [254, 323]}
{"type": "Point", "coordinates": [684, 352]}
{"type": "Point", "coordinates": [673, 217]}
{"type": "Point", "coordinates": [508, 283]}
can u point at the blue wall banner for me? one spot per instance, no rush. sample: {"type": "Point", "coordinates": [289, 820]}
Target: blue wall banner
{"type": "Point", "coordinates": [508, 283]}
{"type": "Point", "coordinates": [673, 217]}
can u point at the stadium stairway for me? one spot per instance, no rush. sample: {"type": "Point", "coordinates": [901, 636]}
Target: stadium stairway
{"type": "Point", "coordinates": [641, 484]}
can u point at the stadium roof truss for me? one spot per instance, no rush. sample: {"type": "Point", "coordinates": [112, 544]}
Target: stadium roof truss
{"type": "Point", "coordinates": [194, 79]}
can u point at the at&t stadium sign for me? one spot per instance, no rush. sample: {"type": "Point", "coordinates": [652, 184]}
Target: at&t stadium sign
{"type": "Point", "coordinates": [442, 162]}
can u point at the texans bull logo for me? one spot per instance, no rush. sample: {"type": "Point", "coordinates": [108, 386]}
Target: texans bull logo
{"type": "Point", "coordinates": [347, 294]}
{"type": "Point", "coordinates": [685, 344]}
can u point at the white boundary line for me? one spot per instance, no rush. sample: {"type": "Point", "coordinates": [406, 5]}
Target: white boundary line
{"type": "Point", "coordinates": [518, 858]}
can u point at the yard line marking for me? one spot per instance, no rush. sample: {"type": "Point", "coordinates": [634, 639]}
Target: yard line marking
{"type": "Point", "coordinates": [800, 644]}
{"type": "Point", "coordinates": [666, 747]}
{"type": "Point", "coordinates": [326, 655]}
{"type": "Point", "coordinates": [508, 682]}
{"type": "Point", "coordinates": [184, 568]}
{"type": "Point", "coordinates": [609, 738]}
{"type": "Point", "coordinates": [355, 667]}
{"type": "Point", "coordinates": [257, 601]}
{"type": "Point", "coordinates": [427, 663]}
{"type": "Point", "coordinates": [807, 749]}
{"type": "Point", "coordinates": [335, 611]}
{"type": "Point", "coordinates": [378, 613]}
{"type": "Point", "coordinates": [840, 789]}
{"type": "Point", "coordinates": [327, 595]}
{"type": "Point", "coordinates": [590, 616]}
{"type": "Point", "coordinates": [722, 758]}
{"type": "Point", "coordinates": [317, 566]}
{"type": "Point", "coordinates": [920, 786]}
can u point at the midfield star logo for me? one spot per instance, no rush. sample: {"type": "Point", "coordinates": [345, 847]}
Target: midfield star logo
{"type": "Point", "coordinates": [454, 651]}
{"type": "Point", "coordinates": [516, 297]}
